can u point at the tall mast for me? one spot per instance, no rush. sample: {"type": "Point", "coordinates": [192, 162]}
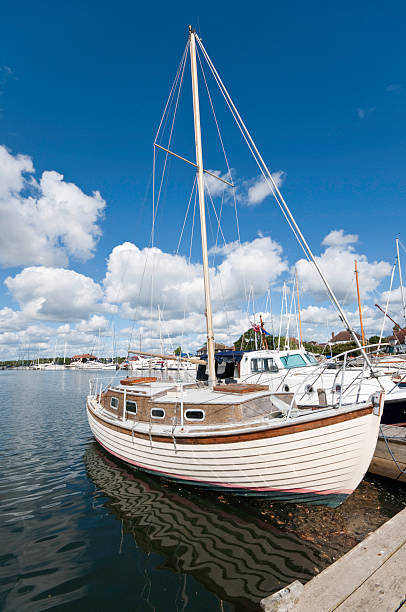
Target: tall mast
{"type": "Point", "coordinates": [200, 184]}
{"type": "Point", "coordinates": [298, 311]}
{"type": "Point", "coordinates": [359, 305]}
{"type": "Point", "coordinates": [400, 278]}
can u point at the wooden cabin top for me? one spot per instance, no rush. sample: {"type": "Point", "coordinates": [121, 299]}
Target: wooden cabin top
{"type": "Point", "coordinates": [169, 392]}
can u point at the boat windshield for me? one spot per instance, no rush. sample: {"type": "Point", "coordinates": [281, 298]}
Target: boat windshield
{"type": "Point", "coordinates": [312, 359]}
{"type": "Point", "coordinates": [263, 365]}
{"type": "Point", "coordinates": [293, 361]}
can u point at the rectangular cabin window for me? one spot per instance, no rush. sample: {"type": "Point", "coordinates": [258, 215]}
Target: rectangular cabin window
{"type": "Point", "coordinates": [194, 415]}
{"type": "Point", "coordinates": [263, 364]}
{"type": "Point", "coordinates": [114, 403]}
{"type": "Point", "coordinates": [131, 407]}
{"type": "Point", "coordinates": [158, 413]}
{"type": "Point", "coordinates": [293, 361]}
{"type": "Point", "coordinates": [312, 358]}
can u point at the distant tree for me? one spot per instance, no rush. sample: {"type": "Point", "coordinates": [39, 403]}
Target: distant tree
{"type": "Point", "coordinates": [311, 347]}
{"type": "Point", "coordinates": [246, 342]}
{"type": "Point", "coordinates": [373, 340]}
{"type": "Point", "coordinates": [177, 351]}
{"type": "Point", "coordinates": [336, 349]}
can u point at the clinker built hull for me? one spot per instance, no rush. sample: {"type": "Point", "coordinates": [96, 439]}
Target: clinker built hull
{"type": "Point", "coordinates": [318, 461]}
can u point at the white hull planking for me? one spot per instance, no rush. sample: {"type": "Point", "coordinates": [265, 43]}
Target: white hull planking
{"type": "Point", "coordinates": [329, 460]}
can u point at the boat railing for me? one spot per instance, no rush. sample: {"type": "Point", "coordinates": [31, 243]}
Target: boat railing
{"type": "Point", "coordinates": [98, 384]}
{"type": "Point", "coordinates": [339, 390]}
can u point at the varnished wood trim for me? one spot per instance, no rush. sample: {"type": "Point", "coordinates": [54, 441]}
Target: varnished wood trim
{"type": "Point", "coordinates": [137, 381]}
{"type": "Point", "coordinates": [241, 388]}
{"type": "Point", "coordinates": [243, 437]}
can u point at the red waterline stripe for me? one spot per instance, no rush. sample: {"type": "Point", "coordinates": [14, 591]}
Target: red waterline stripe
{"type": "Point", "coordinates": [226, 485]}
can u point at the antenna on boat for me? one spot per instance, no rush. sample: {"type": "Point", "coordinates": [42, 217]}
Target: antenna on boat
{"type": "Point", "coordinates": [200, 184]}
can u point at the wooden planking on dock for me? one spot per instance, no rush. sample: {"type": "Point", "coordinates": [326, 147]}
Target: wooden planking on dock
{"type": "Point", "coordinates": [371, 576]}
{"type": "Point", "coordinates": [382, 463]}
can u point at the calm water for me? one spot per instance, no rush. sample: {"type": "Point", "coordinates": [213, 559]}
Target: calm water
{"type": "Point", "coordinates": [80, 531]}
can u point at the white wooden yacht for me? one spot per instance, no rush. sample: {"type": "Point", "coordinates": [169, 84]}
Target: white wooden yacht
{"type": "Point", "coordinates": [237, 438]}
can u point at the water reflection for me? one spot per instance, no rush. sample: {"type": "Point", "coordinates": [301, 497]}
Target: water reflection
{"type": "Point", "coordinates": [240, 558]}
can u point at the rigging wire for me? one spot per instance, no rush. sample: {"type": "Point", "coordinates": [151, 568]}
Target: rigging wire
{"type": "Point", "coordinates": [227, 164]}
{"type": "Point", "coordinates": [219, 275]}
{"type": "Point", "coordinates": [156, 203]}
{"type": "Point", "coordinates": [254, 151]}
{"type": "Point", "coordinates": [163, 121]}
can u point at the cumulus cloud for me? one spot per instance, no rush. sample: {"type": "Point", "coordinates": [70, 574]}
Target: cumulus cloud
{"type": "Point", "coordinates": [251, 192]}
{"type": "Point", "coordinates": [46, 221]}
{"type": "Point", "coordinates": [395, 309]}
{"type": "Point", "coordinates": [339, 238]}
{"type": "Point", "coordinates": [215, 187]}
{"type": "Point", "coordinates": [259, 189]}
{"type": "Point", "coordinates": [176, 284]}
{"type": "Point", "coordinates": [55, 294]}
{"type": "Point", "coordinates": [95, 324]}
{"type": "Point", "coordinates": [10, 320]}
{"type": "Point", "coordinates": [337, 263]}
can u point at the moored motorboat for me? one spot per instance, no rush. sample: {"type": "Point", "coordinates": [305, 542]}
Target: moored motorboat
{"type": "Point", "coordinates": [298, 371]}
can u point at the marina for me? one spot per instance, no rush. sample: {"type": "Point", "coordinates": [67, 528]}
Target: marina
{"type": "Point", "coordinates": [71, 514]}
{"type": "Point", "coordinates": [203, 308]}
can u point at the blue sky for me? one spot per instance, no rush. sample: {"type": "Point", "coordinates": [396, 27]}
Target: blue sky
{"type": "Point", "coordinates": [321, 88]}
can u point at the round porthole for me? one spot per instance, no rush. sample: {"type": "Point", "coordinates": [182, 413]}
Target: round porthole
{"type": "Point", "coordinates": [286, 388]}
{"type": "Point", "coordinates": [309, 389]}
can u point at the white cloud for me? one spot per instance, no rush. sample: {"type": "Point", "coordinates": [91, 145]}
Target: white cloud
{"type": "Point", "coordinates": [337, 263]}
{"type": "Point", "coordinates": [44, 222]}
{"type": "Point", "coordinates": [260, 189]}
{"type": "Point", "coordinates": [363, 112]}
{"type": "Point", "coordinates": [10, 320]}
{"type": "Point", "coordinates": [55, 294]}
{"type": "Point", "coordinates": [395, 87]}
{"type": "Point", "coordinates": [395, 309]}
{"type": "Point", "coordinates": [177, 285]}
{"type": "Point", "coordinates": [215, 187]}
{"type": "Point", "coordinates": [95, 324]}
{"type": "Point", "coordinates": [338, 238]}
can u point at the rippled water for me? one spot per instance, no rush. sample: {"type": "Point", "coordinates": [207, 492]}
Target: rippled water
{"type": "Point", "coordinates": [80, 531]}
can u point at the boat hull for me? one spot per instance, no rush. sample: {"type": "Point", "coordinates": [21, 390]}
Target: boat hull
{"type": "Point", "coordinates": [321, 464]}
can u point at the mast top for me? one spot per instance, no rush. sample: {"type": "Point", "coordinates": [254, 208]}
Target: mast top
{"type": "Point", "coordinates": [191, 30]}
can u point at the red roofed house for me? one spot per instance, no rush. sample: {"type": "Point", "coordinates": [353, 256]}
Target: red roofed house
{"type": "Point", "coordinates": [399, 335]}
{"type": "Point", "coordinates": [342, 337]}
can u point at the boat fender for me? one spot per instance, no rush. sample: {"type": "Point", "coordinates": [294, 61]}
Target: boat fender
{"type": "Point", "coordinates": [377, 402]}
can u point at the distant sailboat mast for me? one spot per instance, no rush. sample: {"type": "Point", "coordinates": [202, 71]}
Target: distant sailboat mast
{"type": "Point", "coordinates": [359, 304]}
{"type": "Point", "coordinates": [401, 281]}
